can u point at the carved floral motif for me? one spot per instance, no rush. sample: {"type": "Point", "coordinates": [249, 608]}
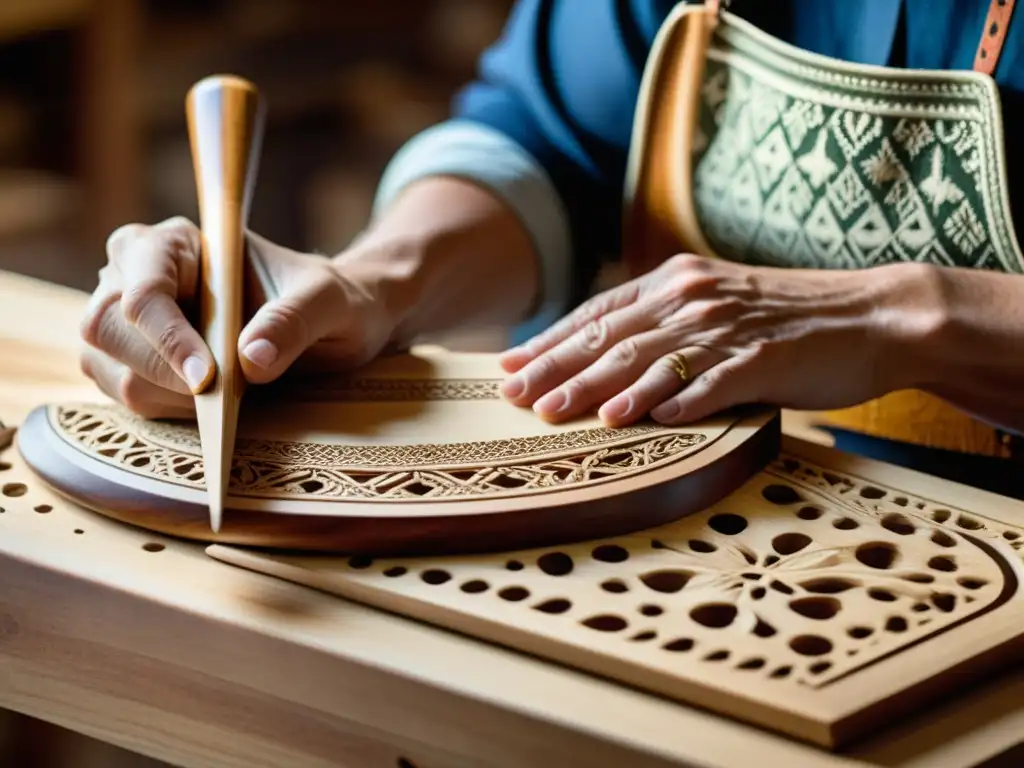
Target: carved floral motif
{"type": "Point", "coordinates": [802, 576]}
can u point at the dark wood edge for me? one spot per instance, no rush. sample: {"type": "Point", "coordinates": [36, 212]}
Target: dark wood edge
{"type": "Point", "coordinates": [602, 516]}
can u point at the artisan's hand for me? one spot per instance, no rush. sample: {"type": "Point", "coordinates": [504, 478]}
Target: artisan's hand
{"type": "Point", "coordinates": [144, 352]}
{"type": "Point", "coordinates": [793, 338]}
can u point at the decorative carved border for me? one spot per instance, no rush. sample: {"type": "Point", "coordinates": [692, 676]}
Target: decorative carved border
{"type": "Point", "coordinates": [170, 453]}
{"type": "Point", "coordinates": [404, 390]}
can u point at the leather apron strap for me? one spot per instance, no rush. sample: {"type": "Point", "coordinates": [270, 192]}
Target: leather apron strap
{"type": "Point", "coordinates": [993, 35]}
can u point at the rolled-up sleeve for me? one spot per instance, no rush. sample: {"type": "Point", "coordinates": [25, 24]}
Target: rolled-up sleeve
{"type": "Point", "coordinates": [488, 157]}
{"type": "Point", "coordinates": [545, 126]}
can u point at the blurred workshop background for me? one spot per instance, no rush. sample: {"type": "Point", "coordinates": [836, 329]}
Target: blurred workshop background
{"type": "Point", "coordinates": [93, 135]}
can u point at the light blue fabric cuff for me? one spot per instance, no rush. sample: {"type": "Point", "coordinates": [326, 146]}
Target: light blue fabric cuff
{"type": "Point", "coordinates": [478, 153]}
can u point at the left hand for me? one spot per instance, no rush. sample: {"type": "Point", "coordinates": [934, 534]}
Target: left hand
{"type": "Point", "coordinates": [802, 339]}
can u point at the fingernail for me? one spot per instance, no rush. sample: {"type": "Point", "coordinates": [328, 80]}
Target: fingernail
{"type": "Point", "coordinates": [665, 411]}
{"type": "Point", "coordinates": [513, 387]}
{"type": "Point", "coordinates": [551, 403]}
{"type": "Point", "coordinates": [260, 353]}
{"type": "Point", "coordinates": [195, 372]}
{"type": "Point", "coordinates": [618, 407]}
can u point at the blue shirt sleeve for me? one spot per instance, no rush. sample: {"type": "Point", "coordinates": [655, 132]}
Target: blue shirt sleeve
{"type": "Point", "coordinates": [562, 82]}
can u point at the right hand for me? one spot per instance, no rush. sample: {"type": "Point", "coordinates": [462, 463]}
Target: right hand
{"type": "Point", "coordinates": [142, 350]}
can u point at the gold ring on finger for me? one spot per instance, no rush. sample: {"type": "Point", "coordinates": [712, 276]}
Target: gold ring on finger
{"type": "Point", "coordinates": [678, 363]}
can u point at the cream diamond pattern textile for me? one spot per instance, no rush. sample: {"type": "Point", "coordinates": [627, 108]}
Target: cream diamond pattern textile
{"type": "Point", "coordinates": [804, 166]}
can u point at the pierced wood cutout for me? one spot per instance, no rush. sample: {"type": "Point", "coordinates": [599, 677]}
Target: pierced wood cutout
{"type": "Point", "coordinates": [809, 600]}
{"type": "Point", "coordinates": [417, 453]}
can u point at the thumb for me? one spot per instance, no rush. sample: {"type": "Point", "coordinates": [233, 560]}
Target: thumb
{"type": "Point", "coordinates": [288, 325]}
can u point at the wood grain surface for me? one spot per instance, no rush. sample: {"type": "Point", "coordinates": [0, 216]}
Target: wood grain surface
{"type": "Point", "coordinates": [142, 641]}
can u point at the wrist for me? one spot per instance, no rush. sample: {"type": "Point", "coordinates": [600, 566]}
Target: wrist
{"type": "Point", "coordinates": [446, 254]}
{"type": "Point", "coordinates": [389, 271]}
{"type": "Point", "coordinates": [912, 323]}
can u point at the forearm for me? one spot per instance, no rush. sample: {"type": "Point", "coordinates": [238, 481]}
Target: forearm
{"type": "Point", "coordinates": [446, 253]}
{"type": "Point", "coordinates": [967, 341]}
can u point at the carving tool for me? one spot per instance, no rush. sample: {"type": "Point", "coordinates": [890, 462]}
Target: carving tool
{"type": "Point", "coordinates": [225, 124]}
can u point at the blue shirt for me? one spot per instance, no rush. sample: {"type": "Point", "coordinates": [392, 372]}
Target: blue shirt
{"type": "Point", "coordinates": [564, 79]}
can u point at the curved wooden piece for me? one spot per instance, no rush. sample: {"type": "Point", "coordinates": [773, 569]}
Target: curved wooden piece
{"type": "Point", "coordinates": [225, 125]}
{"type": "Point", "coordinates": [418, 454]}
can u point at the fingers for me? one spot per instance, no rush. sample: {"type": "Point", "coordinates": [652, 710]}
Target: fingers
{"type": "Point", "coordinates": [658, 383]}
{"type": "Point", "coordinates": [284, 328]}
{"type": "Point", "coordinates": [612, 373]}
{"type": "Point", "coordinates": [118, 382]}
{"type": "Point", "coordinates": [109, 332]}
{"type": "Point", "coordinates": [554, 376]}
{"type": "Point", "coordinates": [722, 386]}
{"type": "Point", "coordinates": [151, 270]}
{"type": "Point", "coordinates": [159, 268]}
{"type": "Point", "coordinates": [585, 315]}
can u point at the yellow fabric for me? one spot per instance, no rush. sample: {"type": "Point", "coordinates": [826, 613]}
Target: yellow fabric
{"type": "Point", "coordinates": [919, 418]}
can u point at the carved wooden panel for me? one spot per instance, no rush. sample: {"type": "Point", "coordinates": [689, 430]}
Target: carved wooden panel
{"type": "Point", "coordinates": [416, 453]}
{"type": "Point", "coordinates": [810, 600]}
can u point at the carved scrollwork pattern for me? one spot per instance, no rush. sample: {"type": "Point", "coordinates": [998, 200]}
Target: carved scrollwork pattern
{"type": "Point", "coordinates": [801, 577]}
{"type": "Point", "coordinates": [170, 452]}
{"type": "Point", "coordinates": [405, 390]}
{"type": "Point", "coordinates": [881, 500]}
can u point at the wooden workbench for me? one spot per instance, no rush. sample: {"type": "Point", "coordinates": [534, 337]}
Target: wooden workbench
{"type": "Point", "coordinates": [149, 644]}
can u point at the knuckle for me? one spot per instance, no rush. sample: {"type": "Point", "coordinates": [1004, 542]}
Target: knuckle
{"type": "Point", "coordinates": [328, 280]}
{"type": "Point", "coordinates": [178, 245]}
{"type": "Point", "coordinates": [285, 315]}
{"type": "Point", "coordinates": [700, 285]}
{"type": "Point", "coordinates": [545, 367]}
{"type": "Point", "coordinates": [663, 303]}
{"type": "Point", "coordinates": [170, 342]}
{"type": "Point", "coordinates": [130, 393]}
{"type": "Point", "coordinates": [85, 366]}
{"type": "Point", "coordinates": [719, 311]}
{"type": "Point", "coordinates": [177, 223]}
{"type": "Point", "coordinates": [90, 328]}
{"type": "Point", "coordinates": [577, 389]}
{"type": "Point", "coordinates": [626, 352]}
{"type": "Point", "coordinates": [122, 237]}
{"type": "Point", "coordinates": [759, 349]}
{"type": "Point", "coordinates": [721, 375]}
{"type": "Point", "coordinates": [714, 377]}
{"type": "Point", "coordinates": [686, 262]}
{"type": "Point", "coordinates": [583, 315]}
{"type": "Point", "coordinates": [138, 298]}
{"type": "Point", "coordinates": [704, 314]}
{"type": "Point", "coordinates": [594, 334]}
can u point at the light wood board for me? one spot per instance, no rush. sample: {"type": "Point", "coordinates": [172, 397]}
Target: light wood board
{"type": "Point", "coordinates": [810, 601]}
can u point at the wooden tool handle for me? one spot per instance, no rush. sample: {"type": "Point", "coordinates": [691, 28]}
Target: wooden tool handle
{"type": "Point", "coordinates": [225, 124]}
